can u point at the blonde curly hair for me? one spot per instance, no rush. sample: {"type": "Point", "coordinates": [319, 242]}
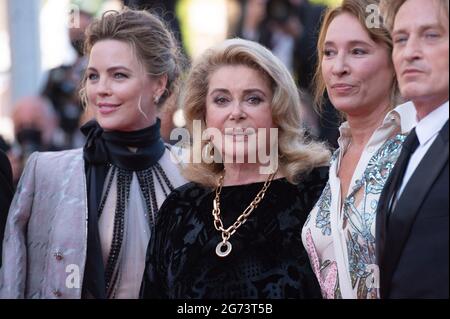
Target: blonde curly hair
{"type": "Point", "coordinates": [296, 153]}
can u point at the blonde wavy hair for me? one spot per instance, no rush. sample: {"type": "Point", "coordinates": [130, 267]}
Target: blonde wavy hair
{"type": "Point", "coordinates": [296, 154]}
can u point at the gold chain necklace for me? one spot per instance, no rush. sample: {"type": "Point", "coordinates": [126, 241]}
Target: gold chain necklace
{"type": "Point", "coordinates": [227, 233]}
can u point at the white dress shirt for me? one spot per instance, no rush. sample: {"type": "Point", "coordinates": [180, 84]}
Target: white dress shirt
{"type": "Point", "coordinates": [427, 130]}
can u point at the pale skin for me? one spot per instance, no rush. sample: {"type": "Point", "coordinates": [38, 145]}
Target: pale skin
{"type": "Point", "coordinates": [420, 55]}
{"type": "Point", "coordinates": [359, 75]}
{"type": "Point", "coordinates": [239, 97]}
{"type": "Point", "coordinates": [118, 88]}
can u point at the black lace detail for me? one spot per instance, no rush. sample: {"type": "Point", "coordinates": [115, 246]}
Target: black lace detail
{"type": "Point", "coordinates": [147, 185]}
{"type": "Point", "coordinates": [123, 194]}
{"type": "Point", "coordinates": [146, 181]}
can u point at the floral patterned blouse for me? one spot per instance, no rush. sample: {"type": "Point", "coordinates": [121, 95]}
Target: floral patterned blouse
{"type": "Point", "coordinates": [339, 237]}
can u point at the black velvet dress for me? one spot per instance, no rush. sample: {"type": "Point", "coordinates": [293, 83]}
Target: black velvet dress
{"type": "Point", "coordinates": [268, 259]}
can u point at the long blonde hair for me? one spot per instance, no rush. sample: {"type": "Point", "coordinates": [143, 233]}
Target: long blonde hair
{"type": "Point", "coordinates": [296, 154]}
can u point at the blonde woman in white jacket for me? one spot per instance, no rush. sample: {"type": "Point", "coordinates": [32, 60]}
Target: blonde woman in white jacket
{"type": "Point", "coordinates": [81, 220]}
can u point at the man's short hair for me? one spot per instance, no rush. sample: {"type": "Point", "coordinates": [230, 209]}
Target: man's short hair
{"type": "Point", "coordinates": [389, 9]}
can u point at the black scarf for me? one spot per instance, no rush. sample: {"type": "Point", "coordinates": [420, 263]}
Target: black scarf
{"type": "Point", "coordinates": [101, 150]}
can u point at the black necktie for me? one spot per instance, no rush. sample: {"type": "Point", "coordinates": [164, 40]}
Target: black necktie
{"type": "Point", "coordinates": [409, 146]}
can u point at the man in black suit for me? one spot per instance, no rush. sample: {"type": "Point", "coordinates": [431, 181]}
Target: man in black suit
{"type": "Point", "coordinates": [6, 194]}
{"type": "Point", "coordinates": [412, 221]}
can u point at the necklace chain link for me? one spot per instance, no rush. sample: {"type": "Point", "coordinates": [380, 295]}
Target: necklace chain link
{"type": "Point", "coordinates": [228, 232]}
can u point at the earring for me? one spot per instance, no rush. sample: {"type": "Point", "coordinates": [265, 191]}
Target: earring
{"type": "Point", "coordinates": [208, 151]}
{"type": "Point", "coordinates": [156, 99]}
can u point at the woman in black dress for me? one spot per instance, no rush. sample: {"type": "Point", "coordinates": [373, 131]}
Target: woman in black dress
{"type": "Point", "coordinates": [235, 230]}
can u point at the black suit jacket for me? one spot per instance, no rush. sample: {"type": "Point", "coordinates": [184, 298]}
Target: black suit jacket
{"type": "Point", "coordinates": [412, 248]}
{"type": "Point", "coordinates": [6, 194]}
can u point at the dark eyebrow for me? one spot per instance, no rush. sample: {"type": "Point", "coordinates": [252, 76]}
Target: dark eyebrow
{"type": "Point", "coordinates": [219, 91]}
{"type": "Point", "coordinates": [352, 43]}
{"type": "Point", "coordinates": [247, 91]}
{"type": "Point", "coordinates": [363, 43]}
{"type": "Point", "coordinates": [111, 69]}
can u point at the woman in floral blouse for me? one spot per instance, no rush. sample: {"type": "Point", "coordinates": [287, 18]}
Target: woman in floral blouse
{"type": "Point", "coordinates": [356, 71]}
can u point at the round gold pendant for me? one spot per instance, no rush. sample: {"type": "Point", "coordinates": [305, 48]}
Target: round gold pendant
{"type": "Point", "coordinates": [219, 249]}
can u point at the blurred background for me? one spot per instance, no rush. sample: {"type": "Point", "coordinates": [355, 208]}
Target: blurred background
{"type": "Point", "coordinates": [41, 62]}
